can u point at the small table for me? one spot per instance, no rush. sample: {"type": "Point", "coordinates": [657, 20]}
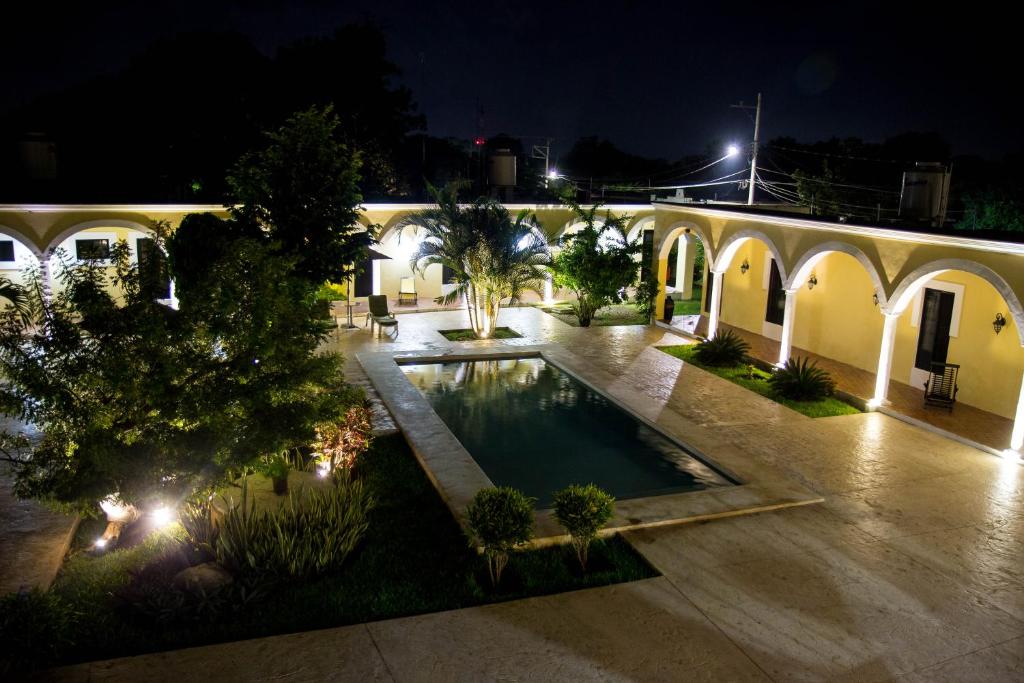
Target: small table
{"type": "Point", "coordinates": [349, 306]}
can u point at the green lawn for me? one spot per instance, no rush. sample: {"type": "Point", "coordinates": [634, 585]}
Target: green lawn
{"type": "Point", "coordinates": [690, 306]}
{"type": "Point", "coordinates": [756, 380]}
{"type": "Point", "coordinates": [414, 559]}
{"type": "Point", "coordinates": [616, 314]}
{"type": "Point", "coordinates": [469, 335]}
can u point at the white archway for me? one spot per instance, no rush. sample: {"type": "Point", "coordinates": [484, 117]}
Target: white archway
{"type": "Point", "coordinates": [731, 244]}
{"type": "Point", "coordinates": [914, 281]}
{"type": "Point", "coordinates": [904, 294]}
{"type": "Point", "coordinates": [69, 232]}
{"type": "Point", "coordinates": [806, 264]}
{"type": "Point", "coordinates": [638, 227]}
{"type": "Point", "coordinates": [22, 256]}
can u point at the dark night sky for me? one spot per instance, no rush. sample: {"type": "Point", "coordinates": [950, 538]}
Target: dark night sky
{"type": "Point", "coordinates": [655, 78]}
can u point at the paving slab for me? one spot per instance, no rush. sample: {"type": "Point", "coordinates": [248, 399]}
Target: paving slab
{"type": "Point", "coordinates": [644, 631]}
{"type": "Point", "coordinates": [339, 654]}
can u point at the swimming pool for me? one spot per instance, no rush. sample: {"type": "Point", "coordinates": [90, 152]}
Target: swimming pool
{"type": "Point", "coordinates": [530, 425]}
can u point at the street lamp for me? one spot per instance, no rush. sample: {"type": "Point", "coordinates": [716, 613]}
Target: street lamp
{"type": "Point", "coordinates": [732, 151]}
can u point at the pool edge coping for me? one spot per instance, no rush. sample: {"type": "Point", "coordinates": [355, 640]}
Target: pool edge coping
{"type": "Point", "coordinates": [457, 476]}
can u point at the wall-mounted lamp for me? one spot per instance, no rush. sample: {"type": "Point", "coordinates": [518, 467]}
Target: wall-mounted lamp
{"type": "Point", "coordinates": [999, 323]}
{"type": "Point", "coordinates": [874, 298]}
{"type": "Point", "coordinates": [745, 266]}
{"type": "Point", "coordinates": [811, 281]}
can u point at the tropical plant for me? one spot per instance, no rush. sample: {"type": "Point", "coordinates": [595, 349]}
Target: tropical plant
{"type": "Point", "coordinates": [646, 296]}
{"type": "Point", "coordinates": [196, 517]}
{"type": "Point", "coordinates": [802, 380]}
{"type": "Point", "coordinates": [302, 539]}
{"type": "Point", "coordinates": [500, 518]}
{"type": "Point", "coordinates": [583, 510]}
{"type": "Point", "coordinates": [15, 296]}
{"type": "Point", "coordinates": [725, 349]}
{"type": "Point", "coordinates": [338, 445]}
{"type": "Point", "coordinates": [597, 263]}
{"type": "Point", "coordinates": [494, 257]}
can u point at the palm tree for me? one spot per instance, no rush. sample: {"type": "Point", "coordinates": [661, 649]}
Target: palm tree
{"type": "Point", "coordinates": [494, 257]}
{"type": "Point", "coordinates": [17, 297]}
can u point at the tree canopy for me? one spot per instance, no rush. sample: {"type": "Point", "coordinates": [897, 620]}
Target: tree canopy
{"type": "Point", "coordinates": [597, 263]}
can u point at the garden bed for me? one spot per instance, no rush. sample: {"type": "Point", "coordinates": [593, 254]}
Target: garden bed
{"type": "Point", "coordinates": [617, 314]}
{"type": "Point", "coordinates": [756, 379]}
{"type": "Point", "coordinates": [414, 559]}
{"type": "Point", "coordinates": [469, 335]}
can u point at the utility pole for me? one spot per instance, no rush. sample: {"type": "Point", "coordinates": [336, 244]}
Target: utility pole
{"type": "Point", "coordinates": [544, 152]}
{"type": "Point", "coordinates": [753, 154]}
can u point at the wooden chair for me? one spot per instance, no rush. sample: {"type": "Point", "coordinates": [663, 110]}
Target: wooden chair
{"type": "Point", "coordinates": [380, 314]}
{"type": "Point", "coordinates": [407, 291]}
{"type": "Point", "coordinates": [941, 387]}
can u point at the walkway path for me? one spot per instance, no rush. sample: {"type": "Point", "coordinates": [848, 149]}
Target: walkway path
{"type": "Point", "coordinates": [33, 539]}
{"type": "Point", "coordinates": [964, 420]}
{"type": "Point", "coordinates": [913, 568]}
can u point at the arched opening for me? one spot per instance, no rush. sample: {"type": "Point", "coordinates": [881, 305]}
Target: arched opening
{"type": "Point", "coordinates": [962, 313]}
{"type": "Point", "coordinates": [17, 257]}
{"type": "Point", "coordinates": [748, 274]}
{"type": "Point", "coordinates": [837, 311]}
{"type": "Point", "coordinates": [92, 242]}
{"type": "Point", "coordinates": [394, 274]}
{"type": "Point", "coordinates": [682, 268]}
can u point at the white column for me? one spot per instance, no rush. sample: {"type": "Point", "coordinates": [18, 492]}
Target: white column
{"type": "Point", "coordinates": [46, 275]}
{"type": "Point", "coordinates": [885, 359]}
{"type": "Point", "coordinates": [716, 300]}
{"type": "Point", "coordinates": [682, 249]}
{"type": "Point", "coordinates": [1017, 436]}
{"type": "Point", "coordinates": [172, 300]}
{"type": "Point", "coordinates": [786, 345]}
{"type": "Point", "coordinates": [549, 288]}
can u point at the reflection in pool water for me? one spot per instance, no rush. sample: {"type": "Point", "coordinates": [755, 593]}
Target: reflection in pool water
{"type": "Point", "coordinates": [532, 426]}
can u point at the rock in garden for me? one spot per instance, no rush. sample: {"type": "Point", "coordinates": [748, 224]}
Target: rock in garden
{"type": "Point", "coordinates": [206, 577]}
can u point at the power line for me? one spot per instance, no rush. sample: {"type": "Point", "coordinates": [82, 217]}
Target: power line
{"type": "Point", "coordinates": [723, 180]}
{"type": "Point", "coordinates": [829, 182]}
{"type": "Point", "coordinates": [837, 156]}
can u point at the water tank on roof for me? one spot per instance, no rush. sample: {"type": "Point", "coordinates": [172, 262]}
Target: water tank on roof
{"type": "Point", "coordinates": [925, 193]}
{"type": "Point", "coordinates": [501, 168]}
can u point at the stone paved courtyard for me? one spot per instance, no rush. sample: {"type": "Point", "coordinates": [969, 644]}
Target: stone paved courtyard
{"type": "Point", "coordinates": [911, 569]}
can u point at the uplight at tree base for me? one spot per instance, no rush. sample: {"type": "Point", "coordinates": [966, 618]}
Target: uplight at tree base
{"type": "Point", "coordinates": [162, 516]}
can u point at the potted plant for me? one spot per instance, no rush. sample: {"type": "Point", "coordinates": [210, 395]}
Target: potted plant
{"type": "Point", "coordinates": [277, 469]}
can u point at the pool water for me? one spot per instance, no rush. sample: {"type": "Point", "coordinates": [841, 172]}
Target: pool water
{"type": "Point", "coordinates": [534, 427]}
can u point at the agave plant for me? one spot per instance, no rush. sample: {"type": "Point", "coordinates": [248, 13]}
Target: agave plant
{"type": "Point", "coordinates": [494, 256]}
{"type": "Point", "coordinates": [802, 380]}
{"type": "Point", "coordinates": [300, 540]}
{"type": "Point", "coordinates": [726, 349]}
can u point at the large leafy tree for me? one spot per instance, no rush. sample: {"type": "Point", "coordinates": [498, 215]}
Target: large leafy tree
{"type": "Point", "coordinates": [141, 401]}
{"type": "Point", "coordinates": [145, 402]}
{"type": "Point", "coordinates": [597, 263]}
{"type": "Point", "coordinates": [302, 190]}
{"type": "Point", "coordinates": [494, 256]}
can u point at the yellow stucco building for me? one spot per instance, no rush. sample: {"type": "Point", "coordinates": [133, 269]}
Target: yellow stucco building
{"type": "Point", "coordinates": [885, 301]}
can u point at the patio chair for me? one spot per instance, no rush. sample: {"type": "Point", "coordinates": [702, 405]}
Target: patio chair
{"type": "Point", "coordinates": [941, 387]}
{"type": "Point", "coordinates": [407, 291]}
{"type": "Point", "coordinates": [380, 314]}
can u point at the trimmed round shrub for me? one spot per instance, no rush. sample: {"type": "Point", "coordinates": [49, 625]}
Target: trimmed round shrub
{"type": "Point", "coordinates": [727, 349]}
{"type": "Point", "coordinates": [800, 380]}
{"type": "Point", "coordinates": [583, 510]}
{"type": "Point", "coordinates": [500, 518]}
